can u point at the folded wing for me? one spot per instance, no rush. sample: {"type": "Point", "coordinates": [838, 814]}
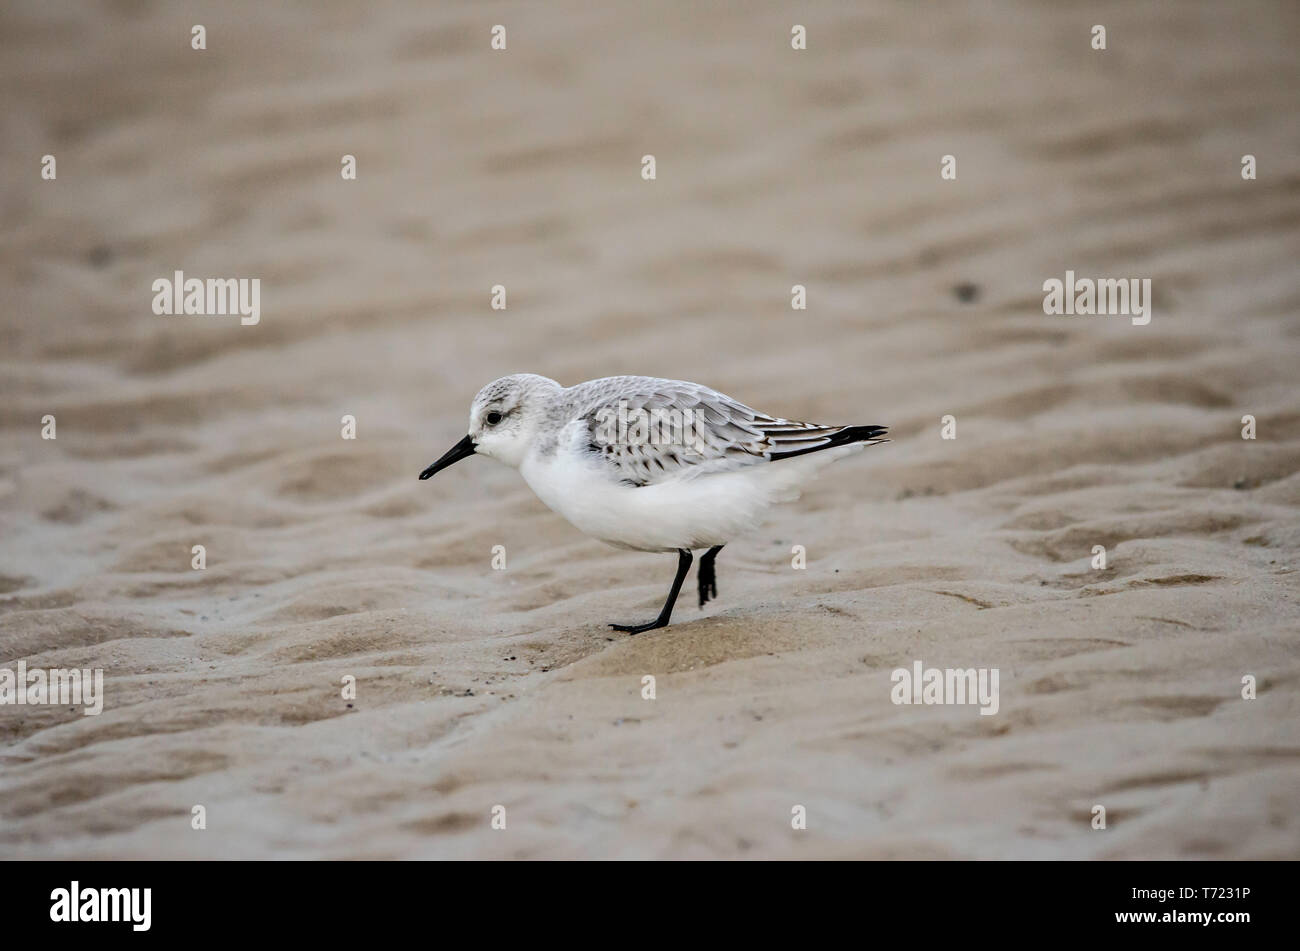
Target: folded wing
{"type": "Point", "coordinates": [646, 430]}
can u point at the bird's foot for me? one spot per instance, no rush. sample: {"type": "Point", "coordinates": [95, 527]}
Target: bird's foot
{"type": "Point", "coordinates": [708, 581]}
{"type": "Point", "coordinates": [638, 628]}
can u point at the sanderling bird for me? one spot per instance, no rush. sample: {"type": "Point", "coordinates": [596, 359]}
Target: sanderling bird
{"type": "Point", "coordinates": [650, 465]}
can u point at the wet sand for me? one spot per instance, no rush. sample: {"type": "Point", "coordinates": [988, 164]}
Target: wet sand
{"type": "Point", "coordinates": [479, 687]}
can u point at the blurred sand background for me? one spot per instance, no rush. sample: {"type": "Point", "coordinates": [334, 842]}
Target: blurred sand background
{"type": "Point", "coordinates": [477, 687]}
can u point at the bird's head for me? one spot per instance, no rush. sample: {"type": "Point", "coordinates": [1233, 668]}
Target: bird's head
{"type": "Point", "coordinates": [502, 420]}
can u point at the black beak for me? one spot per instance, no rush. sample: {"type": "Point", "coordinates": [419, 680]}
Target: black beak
{"type": "Point", "coordinates": [455, 454]}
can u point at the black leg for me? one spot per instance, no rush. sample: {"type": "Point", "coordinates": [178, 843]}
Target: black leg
{"type": "Point", "coordinates": [708, 580]}
{"type": "Point", "coordinates": [683, 566]}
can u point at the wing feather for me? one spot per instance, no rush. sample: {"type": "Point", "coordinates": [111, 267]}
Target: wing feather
{"type": "Point", "coordinates": [686, 430]}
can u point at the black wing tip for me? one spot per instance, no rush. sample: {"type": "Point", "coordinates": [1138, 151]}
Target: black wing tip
{"type": "Point", "coordinates": [863, 433]}
{"type": "Point", "coordinates": [871, 435]}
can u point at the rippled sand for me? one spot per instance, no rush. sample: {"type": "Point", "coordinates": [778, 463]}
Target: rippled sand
{"type": "Point", "coordinates": [326, 558]}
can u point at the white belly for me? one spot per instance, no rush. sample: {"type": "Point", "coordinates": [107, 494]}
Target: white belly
{"type": "Point", "coordinates": [690, 513]}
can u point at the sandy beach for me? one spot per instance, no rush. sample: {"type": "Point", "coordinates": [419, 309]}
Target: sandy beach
{"type": "Point", "coordinates": [476, 687]}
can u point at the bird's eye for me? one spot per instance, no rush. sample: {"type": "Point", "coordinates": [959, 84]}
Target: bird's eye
{"type": "Point", "coordinates": [493, 418]}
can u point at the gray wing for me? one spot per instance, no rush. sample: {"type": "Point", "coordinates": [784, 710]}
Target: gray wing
{"type": "Point", "coordinates": [645, 430]}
